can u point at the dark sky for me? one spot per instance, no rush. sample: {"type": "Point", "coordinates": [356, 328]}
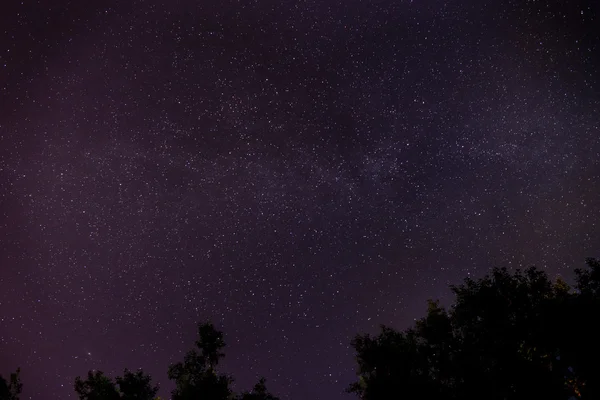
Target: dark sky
{"type": "Point", "coordinates": [296, 171]}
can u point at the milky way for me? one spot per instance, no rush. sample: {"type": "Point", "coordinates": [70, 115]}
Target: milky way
{"type": "Point", "coordinates": [296, 172]}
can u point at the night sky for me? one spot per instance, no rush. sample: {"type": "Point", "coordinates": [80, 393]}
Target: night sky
{"type": "Point", "coordinates": [295, 171]}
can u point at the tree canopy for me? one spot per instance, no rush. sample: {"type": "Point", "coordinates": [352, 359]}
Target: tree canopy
{"type": "Point", "coordinates": [12, 389]}
{"type": "Point", "coordinates": [507, 336]}
{"type": "Point", "coordinates": [259, 392]}
{"type": "Point", "coordinates": [131, 386]}
{"type": "Point", "coordinates": [197, 377]}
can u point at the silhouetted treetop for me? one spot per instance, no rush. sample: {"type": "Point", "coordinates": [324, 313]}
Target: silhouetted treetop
{"type": "Point", "coordinates": [12, 389]}
{"type": "Point", "coordinates": [136, 386]}
{"type": "Point", "coordinates": [196, 378]}
{"type": "Point", "coordinates": [508, 336]}
{"type": "Point", "coordinates": [259, 392]}
{"type": "Point", "coordinates": [210, 343]}
{"type": "Point", "coordinates": [97, 386]}
{"type": "Point", "coordinates": [131, 386]}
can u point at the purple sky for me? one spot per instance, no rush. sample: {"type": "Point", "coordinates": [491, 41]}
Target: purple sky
{"type": "Point", "coordinates": [296, 172]}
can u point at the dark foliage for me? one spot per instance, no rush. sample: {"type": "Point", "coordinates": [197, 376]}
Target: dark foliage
{"type": "Point", "coordinates": [96, 387]}
{"type": "Point", "coordinates": [508, 336]}
{"type": "Point", "coordinates": [136, 386]}
{"type": "Point", "coordinates": [12, 389]}
{"type": "Point", "coordinates": [131, 386]}
{"type": "Point", "coordinates": [196, 377]}
{"type": "Point", "coordinates": [259, 392]}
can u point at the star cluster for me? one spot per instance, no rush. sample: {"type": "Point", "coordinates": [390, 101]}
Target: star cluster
{"type": "Point", "coordinates": [297, 172]}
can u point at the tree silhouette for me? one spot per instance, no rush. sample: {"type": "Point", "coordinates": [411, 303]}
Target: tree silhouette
{"type": "Point", "coordinates": [508, 336]}
{"type": "Point", "coordinates": [196, 377]}
{"type": "Point", "coordinates": [136, 386]}
{"type": "Point", "coordinates": [259, 392]}
{"type": "Point", "coordinates": [12, 389]}
{"type": "Point", "coordinates": [131, 386]}
{"type": "Point", "coordinates": [210, 343]}
{"type": "Point", "coordinates": [96, 387]}
{"type": "Point", "coordinates": [581, 350]}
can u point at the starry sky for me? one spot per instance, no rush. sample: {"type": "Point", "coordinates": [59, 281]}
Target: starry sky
{"type": "Point", "coordinates": [296, 171]}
